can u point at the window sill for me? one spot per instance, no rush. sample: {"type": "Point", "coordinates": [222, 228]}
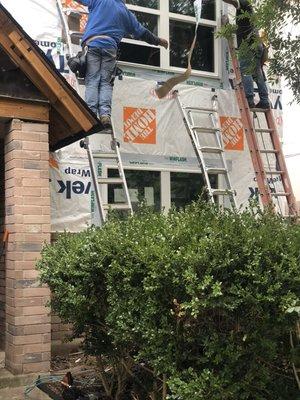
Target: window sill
{"type": "Point", "coordinates": [171, 70]}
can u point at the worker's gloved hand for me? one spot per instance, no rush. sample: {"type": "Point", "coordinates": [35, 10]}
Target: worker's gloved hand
{"type": "Point", "coordinates": [164, 43]}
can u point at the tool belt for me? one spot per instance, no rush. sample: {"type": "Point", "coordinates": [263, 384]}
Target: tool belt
{"type": "Point", "coordinates": [78, 63]}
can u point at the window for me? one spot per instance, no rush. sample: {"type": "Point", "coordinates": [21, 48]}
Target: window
{"type": "Point", "coordinates": [142, 185]}
{"type": "Point", "coordinates": [186, 8]}
{"type": "Point", "coordinates": [144, 3]}
{"type": "Point", "coordinates": [187, 187]}
{"type": "Point", "coordinates": [178, 189]}
{"type": "Point", "coordinates": [174, 20]}
{"type": "Point", "coordinates": [141, 53]}
{"type": "Point", "coordinates": [182, 33]}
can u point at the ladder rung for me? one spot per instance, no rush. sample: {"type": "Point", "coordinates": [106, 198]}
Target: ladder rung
{"type": "Point", "coordinates": [105, 155]}
{"type": "Point", "coordinates": [216, 170]}
{"type": "Point", "coordinates": [264, 130]}
{"type": "Point", "coordinates": [269, 151]}
{"type": "Point", "coordinates": [200, 109]}
{"type": "Point", "coordinates": [262, 110]}
{"type": "Point", "coordinates": [283, 194]}
{"type": "Point", "coordinates": [207, 149]}
{"type": "Point", "coordinates": [203, 129]}
{"type": "Point", "coordinates": [274, 172]}
{"type": "Point", "coordinates": [222, 192]}
{"type": "Point", "coordinates": [110, 181]}
{"type": "Point", "coordinates": [119, 206]}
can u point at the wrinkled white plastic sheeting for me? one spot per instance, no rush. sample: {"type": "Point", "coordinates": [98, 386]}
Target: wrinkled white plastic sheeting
{"type": "Point", "coordinates": [172, 148]}
{"type": "Point", "coordinates": [39, 18]}
{"type": "Point", "coordinates": [69, 171]}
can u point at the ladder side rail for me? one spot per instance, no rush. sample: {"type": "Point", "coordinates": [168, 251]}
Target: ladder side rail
{"type": "Point", "coordinates": [68, 36]}
{"type": "Point", "coordinates": [261, 178]}
{"type": "Point", "coordinates": [215, 121]}
{"type": "Point", "coordinates": [121, 170]}
{"type": "Point", "coordinates": [195, 140]}
{"type": "Point", "coordinates": [291, 200]}
{"type": "Point", "coordinates": [267, 161]}
{"type": "Point", "coordinates": [94, 175]}
{"type": "Point", "coordinates": [191, 121]}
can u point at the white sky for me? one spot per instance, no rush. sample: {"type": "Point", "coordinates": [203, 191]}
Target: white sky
{"type": "Point", "coordinates": [291, 138]}
{"type": "Point", "coordinates": [291, 128]}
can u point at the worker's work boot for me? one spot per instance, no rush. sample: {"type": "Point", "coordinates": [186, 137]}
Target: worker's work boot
{"type": "Point", "coordinates": [265, 105]}
{"type": "Point", "coordinates": [106, 121]}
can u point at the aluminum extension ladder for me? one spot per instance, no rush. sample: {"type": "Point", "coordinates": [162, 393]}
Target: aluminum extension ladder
{"type": "Point", "coordinates": [265, 149]}
{"type": "Point", "coordinates": [98, 182]}
{"type": "Point", "coordinates": [68, 36]}
{"type": "Point", "coordinates": [207, 142]}
{"type": "Point", "coordinates": [113, 155]}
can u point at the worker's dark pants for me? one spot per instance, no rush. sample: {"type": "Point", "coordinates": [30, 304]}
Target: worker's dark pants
{"type": "Point", "coordinates": [256, 75]}
{"type": "Point", "coordinates": [98, 88]}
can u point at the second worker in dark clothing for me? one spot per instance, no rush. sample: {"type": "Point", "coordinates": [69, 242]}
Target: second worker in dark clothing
{"type": "Point", "coordinates": [249, 57]}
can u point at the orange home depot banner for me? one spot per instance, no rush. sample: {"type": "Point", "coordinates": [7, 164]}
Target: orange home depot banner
{"type": "Point", "coordinates": [232, 133]}
{"type": "Point", "coordinates": [139, 125]}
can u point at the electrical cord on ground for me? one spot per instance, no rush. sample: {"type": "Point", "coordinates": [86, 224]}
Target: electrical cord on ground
{"type": "Point", "coordinates": [41, 380]}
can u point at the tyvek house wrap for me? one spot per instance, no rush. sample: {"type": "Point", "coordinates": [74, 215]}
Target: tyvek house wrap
{"type": "Point", "coordinates": [150, 131]}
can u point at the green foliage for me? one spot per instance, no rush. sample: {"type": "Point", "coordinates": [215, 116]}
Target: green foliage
{"type": "Point", "coordinates": [200, 296]}
{"type": "Point", "coordinates": [280, 20]}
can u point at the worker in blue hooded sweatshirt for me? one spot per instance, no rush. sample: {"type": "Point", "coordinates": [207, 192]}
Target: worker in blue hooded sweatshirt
{"type": "Point", "coordinates": [110, 21]}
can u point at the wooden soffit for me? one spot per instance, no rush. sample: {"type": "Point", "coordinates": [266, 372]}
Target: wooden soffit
{"type": "Point", "coordinates": [73, 118]}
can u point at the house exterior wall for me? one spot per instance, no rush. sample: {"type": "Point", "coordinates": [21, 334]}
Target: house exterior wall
{"type": "Point", "coordinates": [2, 265]}
{"type": "Point", "coordinates": [27, 218]}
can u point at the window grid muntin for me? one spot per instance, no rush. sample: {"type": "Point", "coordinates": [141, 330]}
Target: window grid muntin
{"type": "Point", "coordinates": [164, 17]}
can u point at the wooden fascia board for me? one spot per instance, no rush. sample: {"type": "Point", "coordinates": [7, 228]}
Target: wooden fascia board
{"type": "Point", "coordinates": [24, 55]}
{"type": "Point", "coordinates": [21, 109]}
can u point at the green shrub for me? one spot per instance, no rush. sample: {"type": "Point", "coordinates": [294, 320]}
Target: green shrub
{"type": "Point", "coordinates": [201, 297]}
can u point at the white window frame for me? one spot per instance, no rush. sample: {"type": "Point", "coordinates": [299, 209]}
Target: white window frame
{"type": "Point", "coordinates": [165, 181]}
{"type": "Point", "coordinates": [164, 17]}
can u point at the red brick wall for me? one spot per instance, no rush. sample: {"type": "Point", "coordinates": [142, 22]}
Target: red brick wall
{"type": "Point", "coordinates": [27, 209]}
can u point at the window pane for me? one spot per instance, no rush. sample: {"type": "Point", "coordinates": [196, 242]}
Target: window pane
{"type": "Point", "coordinates": [185, 7]}
{"type": "Point", "coordinates": [141, 184]}
{"type": "Point", "coordinates": [144, 3]}
{"type": "Point", "coordinates": [149, 21]}
{"type": "Point", "coordinates": [139, 54]}
{"type": "Point", "coordinates": [186, 187]}
{"type": "Point", "coordinates": [181, 37]}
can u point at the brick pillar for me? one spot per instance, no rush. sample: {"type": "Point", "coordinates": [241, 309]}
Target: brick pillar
{"type": "Point", "coordinates": [2, 266]}
{"type": "Point", "coordinates": [27, 206]}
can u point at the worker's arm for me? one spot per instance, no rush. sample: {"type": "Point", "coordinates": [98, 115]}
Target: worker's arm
{"type": "Point", "coordinates": [140, 32]}
{"type": "Point", "coordinates": [234, 3]}
{"type": "Point", "coordinates": [148, 37]}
